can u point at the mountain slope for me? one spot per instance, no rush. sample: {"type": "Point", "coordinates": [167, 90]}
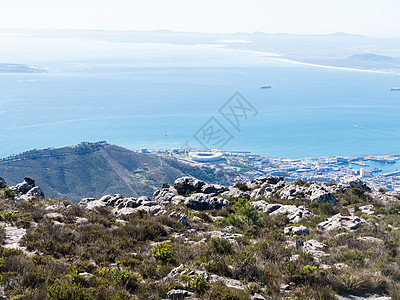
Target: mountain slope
{"type": "Point", "coordinates": [92, 170]}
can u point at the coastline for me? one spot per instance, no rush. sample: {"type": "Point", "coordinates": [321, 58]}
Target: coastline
{"type": "Point", "coordinates": [279, 57]}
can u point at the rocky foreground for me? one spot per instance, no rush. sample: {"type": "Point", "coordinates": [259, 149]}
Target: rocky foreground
{"type": "Point", "coordinates": [264, 239]}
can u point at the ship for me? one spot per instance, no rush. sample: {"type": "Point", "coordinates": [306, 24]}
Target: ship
{"type": "Point", "coordinates": [266, 87]}
{"type": "Point", "coordinates": [395, 89]}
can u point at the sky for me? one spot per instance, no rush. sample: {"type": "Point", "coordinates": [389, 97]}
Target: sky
{"type": "Point", "coordinates": [378, 18]}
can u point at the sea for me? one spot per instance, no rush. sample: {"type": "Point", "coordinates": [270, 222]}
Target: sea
{"type": "Point", "coordinates": [140, 95]}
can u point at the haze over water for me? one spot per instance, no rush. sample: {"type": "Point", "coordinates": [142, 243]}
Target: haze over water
{"type": "Point", "coordinates": [142, 95]}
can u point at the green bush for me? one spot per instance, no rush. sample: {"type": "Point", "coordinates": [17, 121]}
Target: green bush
{"type": "Point", "coordinates": [8, 193]}
{"type": "Point", "coordinates": [7, 215]}
{"type": "Point", "coordinates": [245, 215]}
{"type": "Point", "coordinates": [221, 245]}
{"type": "Point", "coordinates": [162, 252]}
{"type": "Point", "coordinates": [198, 283]}
{"type": "Point", "coordinates": [67, 291]}
{"type": "Point", "coordinates": [242, 186]}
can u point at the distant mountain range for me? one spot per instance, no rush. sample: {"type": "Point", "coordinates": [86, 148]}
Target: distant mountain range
{"type": "Point", "coordinates": [336, 49]}
{"type": "Point", "coordinates": [96, 169]}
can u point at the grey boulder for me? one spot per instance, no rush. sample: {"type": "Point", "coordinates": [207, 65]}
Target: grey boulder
{"type": "Point", "coordinates": [340, 221]}
{"type": "Point", "coordinates": [178, 294]}
{"type": "Point", "coordinates": [187, 185]}
{"type": "Point", "coordinates": [349, 182]}
{"type": "Point", "coordinates": [202, 201]}
{"type": "Point", "coordinates": [300, 230]}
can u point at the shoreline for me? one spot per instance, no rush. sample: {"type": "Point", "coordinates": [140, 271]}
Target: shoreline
{"type": "Point", "coordinates": [279, 57]}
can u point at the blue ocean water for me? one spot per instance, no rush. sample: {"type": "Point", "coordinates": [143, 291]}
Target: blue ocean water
{"type": "Point", "coordinates": [309, 111]}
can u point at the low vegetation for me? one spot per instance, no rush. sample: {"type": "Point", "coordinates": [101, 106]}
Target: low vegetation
{"type": "Point", "coordinates": [75, 253]}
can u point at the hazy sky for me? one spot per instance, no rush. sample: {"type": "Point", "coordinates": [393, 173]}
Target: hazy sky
{"type": "Point", "coordinates": [369, 17]}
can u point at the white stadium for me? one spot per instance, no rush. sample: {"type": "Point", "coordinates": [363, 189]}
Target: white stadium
{"type": "Point", "coordinates": [205, 156]}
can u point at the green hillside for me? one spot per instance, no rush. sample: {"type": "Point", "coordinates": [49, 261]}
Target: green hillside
{"type": "Point", "coordinates": [95, 169]}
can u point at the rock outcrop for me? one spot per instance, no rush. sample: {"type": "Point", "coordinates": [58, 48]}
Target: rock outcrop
{"type": "Point", "coordinates": [314, 192]}
{"type": "Point", "coordinates": [193, 193]}
{"type": "Point", "coordinates": [121, 204]}
{"type": "Point", "coordinates": [202, 201]}
{"type": "Point", "coordinates": [294, 213]}
{"type": "Point", "coordinates": [340, 221]}
{"type": "Point", "coordinates": [176, 294]}
{"type": "Point", "coordinates": [349, 182]}
{"type": "Point", "coordinates": [296, 230]}
{"type": "Point", "coordinates": [235, 193]}
{"type": "Point", "coordinates": [188, 185]}
{"type": "Point", "coordinates": [276, 186]}
{"type": "Point", "coordinates": [28, 190]}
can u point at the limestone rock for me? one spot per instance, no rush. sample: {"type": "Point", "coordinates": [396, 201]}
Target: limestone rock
{"type": "Point", "coordinates": [188, 185]}
{"type": "Point", "coordinates": [165, 195]}
{"type": "Point", "coordinates": [53, 215]}
{"type": "Point", "coordinates": [260, 205]}
{"type": "Point", "coordinates": [320, 194]}
{"type": "Point", "coordinates": [340, 221]}
{"type": "Point", "coordinates": [35, 193]}
{"type": "Point", "coordinates": [202, 201]}
{"type": "Point", "coordinates": [229, 282]}
{"type": "Point", "coordinates": [258, 297]}
{"type": "Point", "coordinates": [236, 193]}
{"type": "Point", "coordinates": [178, 294]}
{"type": "Point", "coordinates": [27, 190]}
{"type": "Point", "coordinates": [367, 209]}
{"type": "Point", "coordinates": [12, 236]}
{"type": "Point", "coordinates": [268, 189]}
{"type": "Point", "coordinates": [313, 192]}
{"type": "Point", "coordinates": [228, 236]}
{"type": "Point", "coordinates": [349, 182]}
{"type": "Point", "coordinates": [267, 180]}
{"type": "Point", "coordinates": [214, 189]}
{"type": "Point", "coordinates": [292, 191]}
{"type": "Point", "coordinates": [181, 218]}
{"type": "Point", "coordinates": [300, 230]}
{"type": "Point", "coordinates": [23, 187]}
{"type": "Point", "coordinates": [313, 246]}
{"type": "Point", "coordinates": [294, 213]}
{"type": "Point", "coordinates": [123, 205]}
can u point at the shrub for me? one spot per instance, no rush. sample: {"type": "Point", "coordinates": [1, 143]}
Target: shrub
{"type": "Point", "coordinates": [8, 193]}
{"type": "Point", "coordinates": [7, 215]}
{"type": "Point", "coordinates": [117, 274]}
{"type": "Point", "coordinates": [204, 216]}
{"type": "Point", "coordinates": [246, 215]}
{"type": "Point", "coordinates": [198, 283]}
{"type": "Point", "coordinates": [67, 291]}
{"type": "Point", "coordinates": [302, 182]}
{"type": "Point", "coordinates": [220, 291]}
{"type": "Point", "coordinates": [354, 196]}
{"type": "Point", "coordinates": [358, 282]}
{"type": "Point", "coordinates": [221, 245]}
{"type": "Point", "coordinates": [242, 186]}
{"type": "Point", "coordinates": [162, 252]}
{"type": "Point", "coordinates": [218, 265]}
{"type": "Point", "coordinates": [382, 190]}
{"type": "Point", "coordinates": [327, 209]}
{"type": "Point", "coordinates": [352, 256]}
